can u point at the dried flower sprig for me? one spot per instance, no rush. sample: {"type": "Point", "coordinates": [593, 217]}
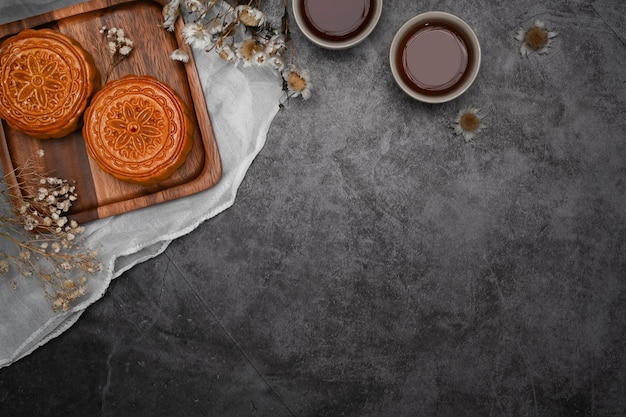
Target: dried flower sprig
{"type": "Point", "coordinates": [46, 243]}
{"type": "Point", "coordinates": [239, 34]}
{"type": "Point", "coordinates": [117, 47]}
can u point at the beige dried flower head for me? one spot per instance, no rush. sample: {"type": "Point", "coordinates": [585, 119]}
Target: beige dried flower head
{"type": "Point", "coordinates": [298, 81]}
{"type": "Point", "coordinates": [227, 53]}
{"type": "Point", "coordinates": [179, 55]}
{"type": "Point", "coordinates": [195, 6]}
{"type": "Point", "coordinates": [275, 45]}
{"type": "Point", "coordinates": [250, 16]}
{"type": "Point", "coordinates": [469, 123]}
{"type": "Point", "coordinates": [277, 62]}
{"type": "Point", "coordinates": [196, 35]}
{"type": "Point", "coordinates": [171, 11]}
{"type": "Point", "coordinates": [535, 39]}
{"type": "Point", "coordinates": [247, 49]}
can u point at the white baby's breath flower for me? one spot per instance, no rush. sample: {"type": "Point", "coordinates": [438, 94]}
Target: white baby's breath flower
{"type": "Point", "coordinates": [125, 50]}
{"type": "Point", "coordinates": [112, 47]}
{"type": "Point", "coordinates": [41, 153]}
{"type": "Point", "coordinates": [535, 39]}
{"type": "Point", "coordinates": [30, 223]}
{"type": "Point", "coordinates": [61, 221]}
{"type": "Point", "coordinates": [179, 55]}
{"type": "Point", "coordinates": [469, 122]}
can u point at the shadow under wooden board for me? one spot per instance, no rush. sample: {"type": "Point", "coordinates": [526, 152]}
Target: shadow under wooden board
{"type": "Point", "coordinates": [100, 194]}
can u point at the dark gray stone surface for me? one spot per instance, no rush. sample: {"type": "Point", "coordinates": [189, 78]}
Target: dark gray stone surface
{"type": "Point", "coordinates": [374, 264]}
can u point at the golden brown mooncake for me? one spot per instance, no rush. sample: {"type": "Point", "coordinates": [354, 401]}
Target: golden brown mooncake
{"type": "Point", "coordinates": [46, 80]}
{"type": "Point", "coordinates": [138, 129]}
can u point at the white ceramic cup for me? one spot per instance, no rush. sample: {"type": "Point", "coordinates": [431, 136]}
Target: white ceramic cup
{"type": "Point", "coordinates": [349, 42]}
{"type": "Point", "coordinates": [472, 45]}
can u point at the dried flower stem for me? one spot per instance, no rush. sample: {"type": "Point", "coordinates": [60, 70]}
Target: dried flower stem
{"type": "Point", "coordinates": [32, 214]}
{"type": "Point", "coordinates": [114, 48]}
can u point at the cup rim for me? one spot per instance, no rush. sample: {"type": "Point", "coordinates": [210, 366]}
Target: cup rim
{"type": "Point", "coordinates": [335, 45]}
{"type": "Point", "coordinates": [436, 16]}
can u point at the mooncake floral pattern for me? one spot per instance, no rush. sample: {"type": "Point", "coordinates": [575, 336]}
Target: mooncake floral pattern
{"type": "Point", "coordinates": [135, 129]}
{"type": "Point", "coordinates": [38, 81]}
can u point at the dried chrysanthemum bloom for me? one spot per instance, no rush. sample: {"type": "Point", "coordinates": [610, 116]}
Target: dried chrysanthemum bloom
{"type": "Point", "coordinates": [277, 62]}
{"type": "Point", "coordinates": [275, 45]}
{"type": "Point", "coordinates": [247, 49]}
{"type": "Point", "coordinates": [250, 16]}
{"type": "Point", "coordinates": [535, 39]}
{"type": "Point", "coordinates": [4, 266]}
{"type": "Point", "coordinates": [227, 53]}
{"type": "Point", "coordinates": [298, 81]}
{"type": "Point", "coordinates": [179, 55]}
{"type": "Point", "coordinates": [469, 123]}
{"type": "Point", "coordinates": [171, 11]}
{"type": "Point", "coordinates": [197, 35]}
{"type": "Point", "coordinates": [260, 58]}
{"type": "Point", "coordinates": [195, 6]}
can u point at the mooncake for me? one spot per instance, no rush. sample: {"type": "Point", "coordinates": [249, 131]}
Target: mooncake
{"type": "Point", "coordinates": [138, 129]}
{"type": "Point", "coordinates": [46, 80]}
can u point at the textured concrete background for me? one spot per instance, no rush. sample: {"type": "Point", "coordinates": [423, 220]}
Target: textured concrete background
{"type": "Point", "coordinates": [374, 264]}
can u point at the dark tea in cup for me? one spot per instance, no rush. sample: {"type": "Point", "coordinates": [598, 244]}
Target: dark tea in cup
{"type": "Point", "coordinates": [336, 20]}
{"type": "Point", "coordinates": [435, 57]}
{"type": "Point", "coordinates": [337, 24]}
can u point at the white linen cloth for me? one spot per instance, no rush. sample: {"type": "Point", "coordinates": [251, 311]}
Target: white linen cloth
{"type": "Point", "coordinates": [242, 102]}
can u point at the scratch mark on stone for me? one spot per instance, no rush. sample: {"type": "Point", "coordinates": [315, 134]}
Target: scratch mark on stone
{"type": "Point", "coordinates": [107, 385]}
{"type": "Point", "coordinates": [163, 279]}
{"type": "Point", "coordinates": [231, 337]}
{"type": "Point", "coordinates": [495, 393]}
{"type": "Point", "coordinates": [495, 279]}
{"type": "Point", "coordinates": [513, 336]}
{"type": "Point", "coordinates": [609, 26]}
{"type": "Point", "coordinates": [530, 378]}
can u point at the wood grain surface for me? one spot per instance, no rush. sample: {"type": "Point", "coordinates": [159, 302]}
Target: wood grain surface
{"type": "Point", "coordinates": [100, 194]}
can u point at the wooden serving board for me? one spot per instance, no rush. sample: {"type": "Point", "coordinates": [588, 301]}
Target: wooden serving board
{"type": "Point", "coordinates": [100, 194]}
